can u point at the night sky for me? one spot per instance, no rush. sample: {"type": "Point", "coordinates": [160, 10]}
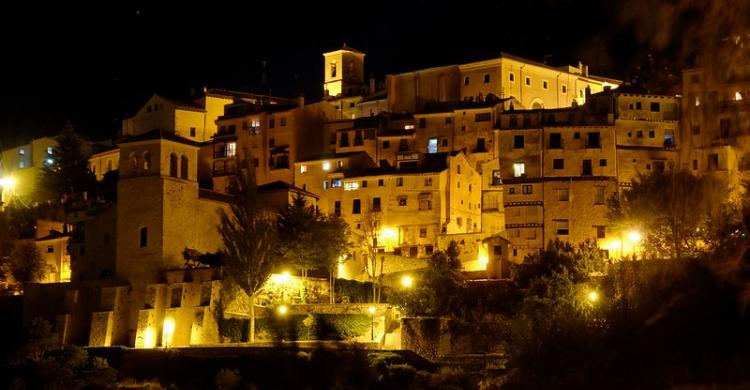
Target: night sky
{"type": "Point", "coordinates": [95, 65]}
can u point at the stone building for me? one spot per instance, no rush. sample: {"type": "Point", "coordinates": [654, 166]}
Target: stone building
{"type": "Point", "coordinates": [20, 168]}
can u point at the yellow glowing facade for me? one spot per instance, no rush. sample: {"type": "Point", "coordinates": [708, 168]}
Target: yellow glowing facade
{"type": "Point", "coordinates": [20, 168]}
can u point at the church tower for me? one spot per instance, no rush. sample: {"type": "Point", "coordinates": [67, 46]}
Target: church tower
{"type": "Point", "coordinates": [344, 73]}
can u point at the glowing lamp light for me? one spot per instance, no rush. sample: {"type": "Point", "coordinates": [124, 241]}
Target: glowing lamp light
{"type": "Point", "coordinates": [282, 310]}
{"type": "Point", "coordinates": [592, 296]}
{"type": "Point", "coordinates": [407, 281]}
{"type": "Point", "coordinates": [168, 331]}
{"type": "Point", "coordinates": [149, 338]}
{"type": "Point", "coordinates": [326, 166]}
{"type": "Point", "coordinates": [388, 233]}
{"type": "Point", "coordinates": [8, 182]}
{"type": "Point", "coordinates": [483, 260]}
{"type": "Point", "coordinates": [371, 309]}
{"type": "Point", "coordinates": [281, 278]}
{"type": "Point", "coordinates": [634, 236]}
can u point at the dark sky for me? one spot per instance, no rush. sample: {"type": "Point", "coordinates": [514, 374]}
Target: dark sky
{"type": "Point", "coordinates": [95, 64]}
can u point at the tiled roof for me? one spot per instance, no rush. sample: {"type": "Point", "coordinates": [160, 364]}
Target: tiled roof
{"type": "Point", "coordinates": [158, 134]}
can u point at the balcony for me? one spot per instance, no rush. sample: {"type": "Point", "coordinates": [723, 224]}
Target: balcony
{"type": "Point", "coordinates": [225, 167]}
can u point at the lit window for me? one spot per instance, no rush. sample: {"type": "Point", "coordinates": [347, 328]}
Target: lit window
{"type": "Point", "coordinates": [408, 127]}
{"type": "Point", "coordinates": [49, 150]}
{"type": "Point", "coordinates": [49, 161]}
{"type": "Point", "coordinates": [432, 145]}
{"type": "Point", "coordinates": [22, 151]}
{"type": "Point", "coordinates": [737, 96]}
{"type": "Point", "coordinates": [697, 101]}
{"type": "Point", "coordinates": [519, 169]}
{"type": "Point", "coordinates": [351, 185]}
{"type": "Point", "coordinates": [326, 166]}
{"type": "Point", "coordinates": [336, 183]}
{"type": "Point", "coordinates": [21, 164]}
{"type": "Point", "coordinates": [303, 169]}
{"type": "Point", "coordinates": [231, 149]}
{"type": "Point", "coordinates": [340, 163]}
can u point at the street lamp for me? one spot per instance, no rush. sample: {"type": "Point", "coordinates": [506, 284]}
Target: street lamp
{"type": "Point", "coordinates": [593, 296]}
{"type": "Point", "coordinates": [282, 310]}
{"type": "Point", "coordinates": [371, 309]}
{"type": "Point", "coordinates": [168, 331]}
{"type": "Point", "coordinates": [635, 237]}
{"type": "Point", "coordinates": [8, 182]}
{"type": "Point", "coordinates": [407, 281]}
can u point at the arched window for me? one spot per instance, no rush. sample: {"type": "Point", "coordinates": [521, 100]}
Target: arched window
{"type": "Point", "coordinates": [146, 161]}
{"type": "Point", "coordinates": [173, 165]}
{"type": "Point", "coordinates": [133, 162]}
{"type": "Point", "coordinates": [183, 167]}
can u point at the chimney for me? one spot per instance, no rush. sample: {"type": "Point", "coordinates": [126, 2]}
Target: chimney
{"type": "Point", "coordinates": [372, 84]}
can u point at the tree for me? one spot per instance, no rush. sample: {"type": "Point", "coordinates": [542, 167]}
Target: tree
{"type": "Point", "coordinates": [439, 289]}
{"type": "Point", "coordinates": [331, 237]}
{"type": "Point", "coordinates": [297, 224]}
{"type": "Point", "coordinates": [559, 257]}
{"type": "Point", "coordinates": [26, 264]}
{"type": "Point", "coordinates": [678, 213]}
{"type": "Point", "coordinates": [250, 238]}
{"type": "Point", "coordinates": [66, 176]}
{"type": "Point", "coordinates": [370, 227]}
{"type": "Point", "coordinates": [310, 240]}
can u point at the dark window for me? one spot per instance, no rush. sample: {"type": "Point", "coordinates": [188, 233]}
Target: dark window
{"type": "Point", "coordinates": [422, 123]}
{"type": "Point", "coordinates": [713, 161]}
{"type": "Point", "coordinates": [144, 237]}
{"type": "Point", "coordinates": [402, 201]}
{"type": "Point", "coordinates": [337, 207]}
{"type": "Point", "coordinates": [466, 80]}
{"type": "Point", "coordinates": [513, 121]}
{"type": "Point", "coordinates": [50, 249]}
{"type": "Point", "coordinates": [518, 142]}
{"type": "Point", "coordinates": [695, 164]}
{"type": "Point", "coordinates": [271, 123]}
{"type": "Point", "coordinates": [386, 144]}
{"type": "Point", "coordinates": [422, 232]}
{"type": "Point", "coordinates": [561, 227]}
{"type": "Point", "coordinates": [724, 126]}
{"type": "Point", "coordinates": [356, 206]}
{"type": "Point", "coordinates": [576, 135]}
{"type": "Point", "coordinates": [526, 121]}
{"type": "Point", "coordinates": [528, 81]}
{"type": "Point", "coordinates": [527, 189]}
{"type": "Point", "coordinates": [695, 79]}
{"type": "Point", "coordinates": [587, 170]}
{"type": "Point", "coordinates": [375, 204]}
{"type": "Point", "coordinates": [594, 140]}
{"type": "Point", "coordinates": [445, 142]}
{"type": "Point", "coordinates": [183, 167]}
{"type": "Point", "coordinates": [256, 162]}
{"type": "Point", "coordinates": [555, 141]}
{"type": "Point", "coordinates": [696, 130]}
{"type": "Point", "coordinates": [192, 131]}
{"type": "Point", "coordinates": [381, 182]}
{"type": "Point", "coordinates": [173, 165]}
{"type": "Point", "coordinates": [651, 134]}
{"type": "Point", "coordinates": [271, 142]}
{"type": "Point", "coordinates": [344, 141]}
{"type": "Point", "coordinates": [483, 117]}
{"type": "Point", "coordinates": [558, 163]}
{"type": "Point", "coordinates": [603, 162]}
{"type": "Point", "coordinates": [659, 166]}
{"type": "Point", "coordinates": [601, 231]}
{"type": "Point", "coordinates": [364, 183]}
{"type": "Point", "coordinates": [655, 107]}
{"type": "Point", "coordinates": [283, 119]}
{"type": "Point", "coordinates": [448, 120]}
{"type": "Point", "coordinates": [486, 78]}
{"type": "Point", "coordinates": [480, 145]}
{"type": "Point", "coordinates": [399, 182]}
{"type": "Point", "coordinates": [639, 134]}
{"type": "Point", "coordinates": [638, 105]}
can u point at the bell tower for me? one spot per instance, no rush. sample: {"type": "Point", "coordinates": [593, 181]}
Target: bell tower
{"type": "Point", "coordinates": [343, 73]}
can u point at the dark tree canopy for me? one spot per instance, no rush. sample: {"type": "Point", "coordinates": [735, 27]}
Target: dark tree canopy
{"type": "Point", "coordinates": [67, 176]}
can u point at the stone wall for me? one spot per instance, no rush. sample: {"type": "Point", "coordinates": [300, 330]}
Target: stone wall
{"type": "Point", "coordinates": [436, 337]}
